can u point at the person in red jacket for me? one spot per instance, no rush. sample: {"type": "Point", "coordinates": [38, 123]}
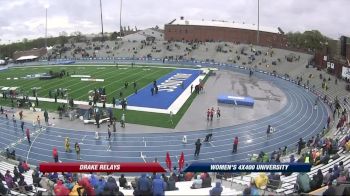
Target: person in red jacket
{"type": "Point", "coordinates": [60, 189]}
{"type": "Point", "coordinates": [55, 154]}
{"type": "Point", "coordinates": [235, 144]}
{"type": "Point", "coordinates": [28, 136]}
{"type": "Point", "coordinates": [25, 166]}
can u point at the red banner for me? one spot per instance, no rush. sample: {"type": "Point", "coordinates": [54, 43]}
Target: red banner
{"type": "Point", "coordinates": [101, 167]}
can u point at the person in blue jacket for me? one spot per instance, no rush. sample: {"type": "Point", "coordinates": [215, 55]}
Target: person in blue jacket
{"type": "Point", "coordinates": [144, 185]}
{"type": "Point", "coordinates": [216, 191]}
{"type": "Point", "coordinates": [159, 186]}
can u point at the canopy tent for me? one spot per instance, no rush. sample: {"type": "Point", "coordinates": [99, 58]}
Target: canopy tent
{"type": "Point", "coordinates": [29, 57]}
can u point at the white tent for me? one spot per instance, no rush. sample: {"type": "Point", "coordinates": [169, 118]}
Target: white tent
{"type": "Point", "coordinates": [30, 57]}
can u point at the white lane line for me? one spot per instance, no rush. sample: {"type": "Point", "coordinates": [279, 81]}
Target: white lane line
{"type": "Point", "coordinates": [143, 157]}
{"type": "Point", "coordinates": [31, 144]}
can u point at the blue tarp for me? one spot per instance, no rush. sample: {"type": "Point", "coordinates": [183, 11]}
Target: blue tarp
{"type": "Point", "coordinates": [165, 96]}
{"type": "Point", "coordinates": [236, 100]}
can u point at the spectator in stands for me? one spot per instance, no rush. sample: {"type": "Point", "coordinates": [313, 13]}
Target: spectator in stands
{"type": "Point", "coordinates": [118, 193]}
{"type": "Point", "coordinates": [197, 183]}
{"type": "Point", "coordinates": [3, 189]}
{"type": "Point", "coordinates": [84, 182]}
{"type": "Point", "coordinates": [79, 190]}
{"type": "Point", "coordinates": [20, 167]}
{"type": "Point", "coordinates": [206, 180]}
{"type": "Point", "coordinates": [25, 166]}
{"type": "Point", "coordinates": [291, 158]}
{"type": "Point", "coordinates": [274, 180]}
{"type": "Point", "coordinates": [10, 155]}
{"type": "Point", "coordinates": [300, 145]}
{"type": "Point", "coordinates": [317, 180]}
{"type": "Point", "coordinates": [261, 181]}
{"type": "Point", "coordinates": [189, 176]}
{"type": "Point", "coordinates": [105, 192]}
{"type": "Point", "coordinates": [93, 180]}
{"type": "Point", "coordinates": [23, 187]}
{"type": "Point", "coordinates": [327, 177]}
{"type": "Point", "coordinates": [100, 185]}
{"type": "Point", "coordinates": [165, 178]}
{"type": "Point", "coordinates": [181, 177]}
{"type": "Point", "coordinates": [330, 191]}
{"type": "Point", "coordinates": [123, 182]}
{"type": "Point", "coordinates": [342, 177]}
{"type": "Point", "coordinates": [36, 178]}
{"type": "Point", "coordinates": [217, 190]}
{"type": "Point", "coordinates": [251, 190]}
{"type": "Point", "coordinates": [303, 182]}
{"type": "Point", "coordinates": [47, 184]}
{"type": "Point", "coordinates": [324, 159]}
{"type": "Point", "coordinates": [16, 174]}
{"type": "Point", "coordinates": [111, 184]}
{"type": "Point", "coordinates": [158, 186]}
{"type": "Point", "coordinates": [53, 177]}
{"type": "Point", "coordinates": [341, 166]}
{"type": "Point", "coordinates": [336, 172]}
{"type": "Point", "coordinates": [9, 180]}
{"type": "Point", "coordinates": [144, 185]}
{"type": "Point", "coordinates": [171, 184]}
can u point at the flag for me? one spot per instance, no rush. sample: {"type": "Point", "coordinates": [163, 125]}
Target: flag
{"type": "Point", "coordinates": [168, 161]}
{"type": "Point", "coordinates": [181, 161]}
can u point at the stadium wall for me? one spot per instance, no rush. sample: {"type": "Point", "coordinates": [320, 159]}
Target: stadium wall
{"type": "Point", "coordinates": [210, 33]}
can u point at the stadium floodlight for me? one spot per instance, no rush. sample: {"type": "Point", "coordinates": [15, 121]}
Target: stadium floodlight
{"type": "Point", "coordinates": [257, 35]}
{"type": "Point", "coordinates": [101, 19]}
{"type": "Point", "coordinates": [120, 18]}
{"type": "Point", "coordinates": [46, 7]}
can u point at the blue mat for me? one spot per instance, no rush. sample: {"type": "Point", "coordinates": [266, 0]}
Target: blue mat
{"type": "Point", "coordinates": [167, 94]}
{"type": "Point", "coordinates": [236, 100]}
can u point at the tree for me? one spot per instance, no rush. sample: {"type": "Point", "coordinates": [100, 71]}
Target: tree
{"type": "Point", "coordinates": [308, 40]}
{"type": "Point", "coordinates": [114, 36]}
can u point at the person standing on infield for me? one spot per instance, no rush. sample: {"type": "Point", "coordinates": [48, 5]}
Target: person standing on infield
{"type": "Point", "coordinates": [198, 147]}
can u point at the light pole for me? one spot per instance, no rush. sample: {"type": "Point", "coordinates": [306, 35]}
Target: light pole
{"type": "Point", "coordinates": [101, 19]}
{"type": "Point", "coordinates": [257, 35]}
{"type": "Point", "coordinates": [120, 17]}
{"type": "Point", "coordinates": [46, 6]}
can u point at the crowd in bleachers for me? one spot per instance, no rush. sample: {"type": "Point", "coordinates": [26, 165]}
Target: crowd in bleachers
{"type": "Point", "coordinates": [20, 181]}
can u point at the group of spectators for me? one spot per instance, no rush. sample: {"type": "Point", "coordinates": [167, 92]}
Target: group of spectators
{"type": "Point", "coordinates": [77, 184]}
{"type": "Point", "coordinates": [335, 176]}
{"type": "Point", "coordinates": [15, 181]}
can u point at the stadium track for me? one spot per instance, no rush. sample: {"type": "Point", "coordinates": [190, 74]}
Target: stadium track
{"type": "Point", "coordinates": [297, 119]}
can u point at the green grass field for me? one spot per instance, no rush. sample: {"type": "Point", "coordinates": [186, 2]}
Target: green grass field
{"type": "Point", "coordinates": [78, 90]}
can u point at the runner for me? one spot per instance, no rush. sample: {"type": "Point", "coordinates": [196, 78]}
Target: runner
{"type": "Point", "coordinates": [218, 114]}
{"type": "Point", "coordinates": [77, 150]}
{"type": "Point", "coordinates": [14, 120]}
{"type": "Point", "coordinates": [208, 114]}
{"type": "Point", "coordinates": [67, 144]}
{"type": "Point", "coordinates": [268, 132]}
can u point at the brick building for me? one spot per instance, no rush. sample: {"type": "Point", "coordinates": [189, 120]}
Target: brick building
{"type": "Point", "coordinates": [330, 58]}
{"type": "Point", "coordinates": [197, 30]}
